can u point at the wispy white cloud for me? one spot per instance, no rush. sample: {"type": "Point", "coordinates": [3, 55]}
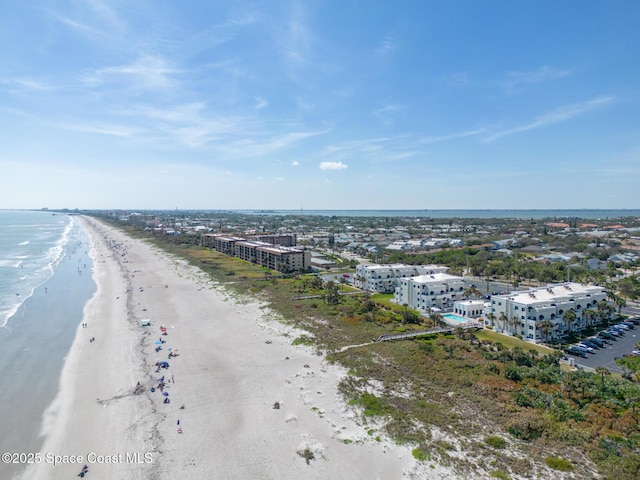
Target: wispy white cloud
{"type": "Point", "coordinates": [104, 12]}
{"type": "Point", "coordinates": [333, 166]}
{"type": "Point", "coordinates": [27, 84]}
{"type": "Point", "coordinates": [558, 115]}
{"type": "Point", "coordinates": [297, 39]}
{"type": "Point", "coordinates": [385, 113]}
{"type": "Point", "coordinates": [76, 25]}
{"type": "Point", "coordinates": [261, 103]}
{"type": "Point", "coordinates": [355, 146]}
{"type": "Point", "coordinates": [125, 131]}
{"type": "Point", "coordinates": [219, 34]}
{"type": "Point", "coordinates": [295, 163]}
{"type": "Point", "coordinates": [386, 46]}
{"type": "Point", "coordinates": [458, 79]}
{"type": "Point", "coordinates": [452, 136]}
{"type": "Point", "coordinates": [149, 71]}
{"type": "Point", "coordinates": [518, 79]}
{"type": "Point", "coordinates": [99, 21]}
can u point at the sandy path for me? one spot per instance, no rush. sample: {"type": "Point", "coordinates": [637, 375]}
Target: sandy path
{"type": "Point", "coordinates": [234, 364]}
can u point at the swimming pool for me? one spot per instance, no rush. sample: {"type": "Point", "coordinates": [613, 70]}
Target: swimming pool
{"type": "Point", "coordinates": [454, 317]}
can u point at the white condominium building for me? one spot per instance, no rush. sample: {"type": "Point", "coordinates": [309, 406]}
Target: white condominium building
{"type": "Point", "coordinates": [526, 313]}
{"type": "Point", "coordinates": [384, 278]}
{"type": "Point", "coordinates": [424, 292]}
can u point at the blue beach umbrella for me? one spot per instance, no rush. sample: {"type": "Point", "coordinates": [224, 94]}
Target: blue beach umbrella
{"type": "Point", "coordinates": [166, 394]}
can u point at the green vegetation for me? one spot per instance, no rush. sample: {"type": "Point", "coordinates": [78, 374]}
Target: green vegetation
{"type": "Point", "coordinates": [458, 383]}
{"type": "Point", "coordinates": [559, 464]}
{"type": "Point", "coordinates": [303, 340]}
{"type": "Point", "coordinates": [495, 442]}
{"type": "Point", "coordinates": [420, 454]}
{"type": "Point", "coordinates": [373, 406]}
{"type": "Point", "coordinates": [499, 474]}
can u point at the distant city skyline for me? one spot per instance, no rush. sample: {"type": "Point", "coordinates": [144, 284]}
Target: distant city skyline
{"type": "Point", "coordinates": [320, 105]}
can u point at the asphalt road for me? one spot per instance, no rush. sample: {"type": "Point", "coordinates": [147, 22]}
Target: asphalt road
{"type": "Point", "coordinates": [605, 357]}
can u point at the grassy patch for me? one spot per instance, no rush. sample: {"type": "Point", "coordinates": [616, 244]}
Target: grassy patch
{"type": "Point", "coordinates": [558, 463]}
{"type": "Point", "coordinates": [303, 340]}
{"type": "Point", "coordinates": [499, 474]}
{"type": "Point", "coordinates": [420, 454]}
{"type": "Point", "coordinates": [511, 342]}
{"type": "Point", "coordinates": [495, 442]}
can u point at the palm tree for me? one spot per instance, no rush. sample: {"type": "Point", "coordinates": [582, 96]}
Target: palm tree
{"type": "Point", "coordinates": [604, 311]}
{"type": "Point", "coordinates": [570, 318]}
{"type": "Point", "coordinates": [492, 318]}
{"type": "Point", "coordinates": [504, 319]}
{"type": "Point", "coordinates": [473, 292]}
{"type": "Point", "coordinates": [435, 317]}
{"type": "Point", "coordinates": [545, 327]}
{"type": "Point", "coordinates": [515, 323]}
{"type": "Point", "coordinates": [589, 315]}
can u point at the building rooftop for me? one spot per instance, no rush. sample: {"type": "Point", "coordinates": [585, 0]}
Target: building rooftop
{"type": "Point", "coordinates": [435, 278]}
{"type": "Point", "coordinates": [563, 291]}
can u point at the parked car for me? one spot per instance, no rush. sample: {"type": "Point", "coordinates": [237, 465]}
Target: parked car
{"type": "Point", "coordinates": [635, 321]}
{"type": "Point", "coordinates": [590, 343]}
{"type": "Point", "coordinates": [608, 336]}
{"type": "Point", "coordinates": [635, 353]}
{"type": "Point", "coordinates": [621, 326]}
{"type": "Point", "coordinates": [630, 325]}
{"type": "Point", "coordinates": [586, 347]}
{"type": "Point", "coordinates": [615, 332]}
{"type": "Point", "coordinates": [575, 351]}
{"type": "Point", "coordinates": [597, 341]}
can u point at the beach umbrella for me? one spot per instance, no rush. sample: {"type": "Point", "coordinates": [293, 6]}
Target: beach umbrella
{"type": "Point", "coordinates": [157, 342]}
{"type": "Point", "coordinates": [166, 394]}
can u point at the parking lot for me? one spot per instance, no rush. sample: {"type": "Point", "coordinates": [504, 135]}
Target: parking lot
{"type": "Point", "coordinates": [605, 357]}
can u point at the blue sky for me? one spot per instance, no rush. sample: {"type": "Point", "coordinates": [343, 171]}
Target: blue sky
{"type": "Point", "coordinates": [320, 104]}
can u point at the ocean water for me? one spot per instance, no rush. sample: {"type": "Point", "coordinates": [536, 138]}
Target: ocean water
{"type": "Point", "coordinates": [487, 213]}
{"type": "Point", "coordinates": [31, 244]}
{"type": "Point", "coordinates": [45, 281]}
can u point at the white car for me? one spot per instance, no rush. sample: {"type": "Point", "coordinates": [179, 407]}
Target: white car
{"type": "Point", "coordinates": [586, 347]}
{"type": "Point", "coordinates": [635, 353]}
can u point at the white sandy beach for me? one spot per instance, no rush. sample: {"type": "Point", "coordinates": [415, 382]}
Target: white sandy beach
{"type": "Point", "coordinates": [234, 363]}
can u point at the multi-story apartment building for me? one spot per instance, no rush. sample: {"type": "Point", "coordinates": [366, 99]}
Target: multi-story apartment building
{"type": "Point", "coordinates": [274, 257]}
{"type": "Point", "coordinates": [221, 243]}
{"type": "Point", "coordinates": [141, 219]}
{"type": "Point", "coordinates": [523, 312]}
{"type": "Point", "coordinates": [426, 292]}
{"type": "Point", "coordinates": [384, 278]}
{"type": "Point", "coordinates": [284, 240]}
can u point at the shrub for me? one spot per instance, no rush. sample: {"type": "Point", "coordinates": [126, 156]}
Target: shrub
{"type": "Point", "coordinates": [495, 441]}
{"type": "Point", "coordinates": [511, 372]}
{"type": "Point", "coordinates": [558, 463]}
{"type": "Point", "coordinates": [302, 340]}
{"type": "Point", "coordinates": [372, 405]}
{"type": "Point", "coordinates": [499, 474]}
{"type": "Point", "coordinates": [419, 454]}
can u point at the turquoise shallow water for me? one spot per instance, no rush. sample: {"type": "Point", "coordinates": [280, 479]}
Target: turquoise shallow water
{"type": "Point", "coordinates": [36, 338]}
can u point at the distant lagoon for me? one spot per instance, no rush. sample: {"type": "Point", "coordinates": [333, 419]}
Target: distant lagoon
{"type": "Point", "coordinates": [515, 214]}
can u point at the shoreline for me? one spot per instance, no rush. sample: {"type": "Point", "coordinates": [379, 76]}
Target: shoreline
{"type": "Point", "coordinates": [235, 365]}
{"type": "Point", "coordinates": [34, 344]}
